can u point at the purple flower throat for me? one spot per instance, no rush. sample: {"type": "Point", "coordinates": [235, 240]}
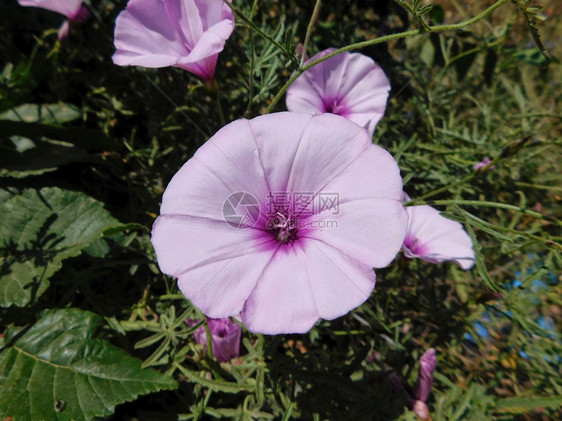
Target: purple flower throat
{"type": "Point", "coordinates": [284, 227]}
{"type": "Point", "coordinates": [335, 106]}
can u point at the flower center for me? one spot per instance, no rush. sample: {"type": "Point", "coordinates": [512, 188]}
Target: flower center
{"type": "Point", "coordinates": [411, 243]}
{"type": "Point", "coordinates": [284, 227]}
{"type": "Point", "coordinates": [334, 107]}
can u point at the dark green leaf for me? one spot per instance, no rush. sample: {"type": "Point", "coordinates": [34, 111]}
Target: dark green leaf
{"type": "Point", "coordinates": [57, 370]}
{"type": "Point", "coordinates": [37, 157]}
{"type": "Point", "coordinates": [38, 230]}
{"type": "Point", "coordinates": [42, 113]}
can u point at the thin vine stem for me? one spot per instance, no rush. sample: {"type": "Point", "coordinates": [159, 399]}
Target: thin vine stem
{"type": "Point", "coordinates": [479, 203]}
{"type": "Point", "coordinates": [380, 40]}
{"type": "Point", "coordinates": [309, 30]}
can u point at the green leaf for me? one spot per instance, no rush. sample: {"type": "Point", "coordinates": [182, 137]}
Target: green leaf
{"type": "Point", "coordinates": [38, 230]}
{"type": "Point", "coordinates": [480, 266]}
{"type": "Point", "coordinates": [57, 370]}
{"type": "Point", "coordinates": [21, 157]}
{"type": "Point", "coordinates": [521, 405]}
{"type": "Point", "coordinates": [42, 113]}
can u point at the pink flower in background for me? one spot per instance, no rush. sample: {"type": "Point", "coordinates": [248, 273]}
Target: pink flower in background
{"type": "Point", "coordinates": [281, 219]}
{"type": "Point", "coordinates": [422, 391]}
{"type": "Point", "coordinates": [348, 84]}
{"type": "Point", "coordinates": [436, 239]}
{"type": "Point", "coordinates": [225, 337]}
{"type": "Point", "coordinates": [428, 362]}
{"type": "Point", "coordinates": [417, 400]}
{"type": "Point", "coordinates": [72, 9]}
{"type": "Point", "coordinates": [483, 163]}
{"type": "Point", "coordinates": [188, 34]}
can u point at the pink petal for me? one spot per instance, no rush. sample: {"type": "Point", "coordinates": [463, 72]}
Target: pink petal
{"type": "Point", "coordinates": [68, 8]}
{"type": "Point", "coordinates": [145, 36]}
{"type": "Point", "coordinates": [303, 283]}
{"type": "Point", "coordinates": [301, 153]}
{"type": "Point", "coordinates": [370, 230]}
{"type": "Point", "coordinates": [217, 265]}
{"type": "Point", "coordinates": [64, 30]}
{"type": "Point", "coordinates": [436, 239]}
{"type": "Point", "coordinates": [187, 34]}
{"type": "Point", "coordinates": [226, 164]}
{"type": "Point", "coordinates": [328, 146]}
{"type": "Point", "coordinates": [371, 222]}
{"type": "Point", "coordinates": [348, 84]}
{"type": "Point", "coordinates": [211, 41]}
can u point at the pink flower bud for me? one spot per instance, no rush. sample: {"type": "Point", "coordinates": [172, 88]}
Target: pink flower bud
{"type": "Point", "coordinates": [425, 379]}
{"type": "Point", "coordinates": [483, 163]}
{"type": "Point", "coordinates": [225, 337]}
{"type": "Point", "coordinates": [421, 410]}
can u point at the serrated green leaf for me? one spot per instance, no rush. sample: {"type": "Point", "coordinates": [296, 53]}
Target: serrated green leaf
{"type": "Point", "coordinates": [38, 230]}
{"type": "Point", "coordinates": [57, 370]}
{"type": "Point", "coordinates": [521, 405]}
{"type": "Point", "coordinates": [42, 113]}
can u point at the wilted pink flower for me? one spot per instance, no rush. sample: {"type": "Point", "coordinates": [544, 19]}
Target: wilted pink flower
{"type": "Point", "coordinates": [225, 337]}
{"type": "Point", "coordinates": [187, 34]}
{"type": "Point", "coordinates": [348, 84]}
{"type": "Point", "coordinates": [281, 219]}
{"type": "Point", "coordinates": [483, 163]}
{"type": "Point", "coordinates": [436, 239]}
{"type": "Point", "coordinates": [72, 9]}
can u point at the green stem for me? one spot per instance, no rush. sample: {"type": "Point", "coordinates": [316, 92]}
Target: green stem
{"type": "Point", "coordinates": [309, 29]}
{"type": "Point", "coordinates": [461, 181]}
{"type": "Point", "coordinates": [252, 58]}
{"type": "Point", "coordinates": [214, 89]}
{"type": "Point", "coordinates": [380, 40]}
{"type": "Point", "coordinates": [537, 215]}
{"type": "Point", "coordinates": [209, 341]}
{"type": "Point", "coordinates": [268, 37]}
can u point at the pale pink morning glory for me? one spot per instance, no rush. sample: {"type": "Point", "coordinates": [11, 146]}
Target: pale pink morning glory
{"type": "Point", "coordinates": [436, 239]}
{"type": "Point", "coordinates": [280, 220]}
{"type": "Point", "coordinates": [72, 9]}
{"type": "Point", "coordinates": [348, 84]}
{"type": "Point", "coordinates": [188, 34]}
{"type": "Point", "coordinates": [225, 337]}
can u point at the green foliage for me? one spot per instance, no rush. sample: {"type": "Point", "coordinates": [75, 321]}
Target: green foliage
{"type": "Point", "coordinates": [38, 230]}
{"type": "Point", "coordinates": [85, 144]}
{"type": "Point", "coordinates": [57, 369]}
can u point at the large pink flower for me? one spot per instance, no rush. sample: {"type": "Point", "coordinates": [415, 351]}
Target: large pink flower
{"type": "Point", "coordinates": [281, 219]}
{"type": "Point", "coordinates": [348, 84]}
{"type": "Point", "coordinates": [72, 9]}
{"type": "Point", "coordinates": [436, 239]}
{"type": "Point", "coordinates": [184, 33]}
